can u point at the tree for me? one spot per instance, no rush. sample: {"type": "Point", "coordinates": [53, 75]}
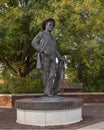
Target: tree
{"type": "Point", "coordinates": [81, 37]}
{"type": "Point", "coordinates": [18, 26]}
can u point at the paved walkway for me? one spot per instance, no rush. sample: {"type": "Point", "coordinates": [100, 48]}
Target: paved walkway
{"type": "Point", "coordinates": [97, 126]}
{"type": "Point", "coordinates": [93, 118]}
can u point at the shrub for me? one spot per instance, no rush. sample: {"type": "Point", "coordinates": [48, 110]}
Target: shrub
{"type": "Point", "coordinates": [30, 84]}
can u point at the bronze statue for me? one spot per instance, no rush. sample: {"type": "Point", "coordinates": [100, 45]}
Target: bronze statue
{"type": "Point", "coordinates": [45, 43]}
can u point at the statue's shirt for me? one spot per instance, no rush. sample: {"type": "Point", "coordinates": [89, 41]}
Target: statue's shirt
{"type": "Point", "coordinates": [45, 42]}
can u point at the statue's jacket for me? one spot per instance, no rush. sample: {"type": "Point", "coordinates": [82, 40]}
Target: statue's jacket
{"type": "Point", "coordinates": [45, 44]}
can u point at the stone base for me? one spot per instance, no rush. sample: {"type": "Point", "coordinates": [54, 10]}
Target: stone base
{"type": "Point", "coordinates": [46, 111]}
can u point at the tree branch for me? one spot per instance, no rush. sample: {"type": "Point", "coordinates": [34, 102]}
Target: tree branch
{"type": "Point", "coordinates": [7, 64]}
{"type": "Point", "coordinates": [27, 71]}
{"type": "Point", "coordinates": [24, 49]}
{"type": "Point", "coordinates": [30, 69]}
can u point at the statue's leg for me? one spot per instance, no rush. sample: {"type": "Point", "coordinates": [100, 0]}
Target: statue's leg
{"type": "Point", "coordinates": [50, 79]}
{"type": "Point", "coordinates": [57, 79]}
{"type": "Point", "coordinates": [56, 84]}
{"type": "Point", "coordinates": [45, 61]}
{"type": "Point", "coordinates": [59, 70]}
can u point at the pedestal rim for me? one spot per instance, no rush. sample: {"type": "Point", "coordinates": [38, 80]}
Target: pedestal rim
{"type": "Point", "coordinates": [56, 104]}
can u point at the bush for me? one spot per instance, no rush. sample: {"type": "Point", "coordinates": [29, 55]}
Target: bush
{"type": "Point", "coordinates": [98, 86]}
{"type": "Point", "coordinates": [31, 84]}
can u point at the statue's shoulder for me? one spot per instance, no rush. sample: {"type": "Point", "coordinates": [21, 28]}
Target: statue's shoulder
{"type": "Point", "coordinates": [41, 34]}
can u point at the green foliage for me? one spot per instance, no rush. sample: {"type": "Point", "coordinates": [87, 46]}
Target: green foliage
{"type": "Point", "coordinates": [98, 87]}
{"type": "Point", "coordinates": [17, 29]}
{"type": "Point", "coordinates": [28, 84]}
{"type": "Point", "coordinates": [79, 32]}
{"type": "Point", "coordinates": [81, 38]}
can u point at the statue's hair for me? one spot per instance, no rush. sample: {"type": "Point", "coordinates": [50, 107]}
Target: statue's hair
{"type": "Point", "coordinates": [46, 21]}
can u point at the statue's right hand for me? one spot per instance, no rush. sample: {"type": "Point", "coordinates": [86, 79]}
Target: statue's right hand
{"type": "Point", "coordinates": [62, 59]}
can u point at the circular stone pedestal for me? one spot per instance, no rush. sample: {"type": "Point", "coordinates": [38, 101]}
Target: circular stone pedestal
{"type": "Point", "coordinates": [49, 111]}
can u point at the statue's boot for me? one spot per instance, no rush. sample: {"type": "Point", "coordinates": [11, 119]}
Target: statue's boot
{"type": "Point", "coordinates": [55, 87]}
{"type": "Point", "coordinates": [48, 95]}
{"type": "Point", "coordinates": [47, 92]}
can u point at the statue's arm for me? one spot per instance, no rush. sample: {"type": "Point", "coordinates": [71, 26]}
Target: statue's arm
{"type": "Point", "coordinates": [59, 56]}
{"type": "Point", "coordinates": [36, 41]}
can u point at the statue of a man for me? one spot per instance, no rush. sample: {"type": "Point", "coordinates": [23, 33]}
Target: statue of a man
{"type": "Point", "coordinates": [45, 43]}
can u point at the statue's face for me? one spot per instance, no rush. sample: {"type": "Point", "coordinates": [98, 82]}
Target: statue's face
{"type": "Point", "coordinates": [49, 26]}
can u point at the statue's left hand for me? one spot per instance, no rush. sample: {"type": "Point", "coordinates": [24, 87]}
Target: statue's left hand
{"type": "Point", "coordinates": [62, 59]}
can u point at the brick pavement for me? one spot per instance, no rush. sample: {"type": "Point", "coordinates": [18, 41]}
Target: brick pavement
{"type": "Point", "coordinates": [92, 113]}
